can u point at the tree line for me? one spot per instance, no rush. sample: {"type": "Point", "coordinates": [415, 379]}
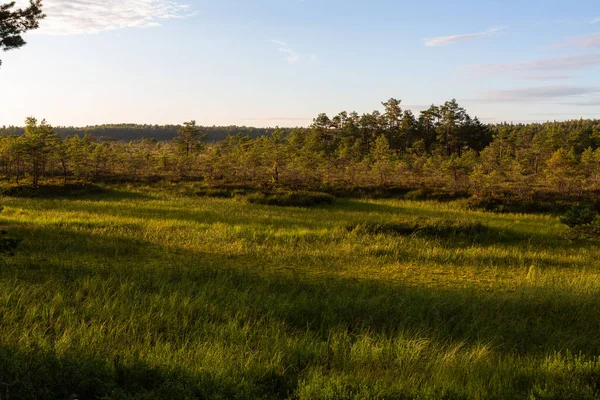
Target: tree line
{"type": "Point", "coordinates": [441, 148]}
{"type": "Point", "coordinates": [127, 132]}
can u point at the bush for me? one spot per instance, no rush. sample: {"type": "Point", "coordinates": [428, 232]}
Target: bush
{"type": "Point", "coordinates": [7, 244]}
{"type": "Point", "coordinates": [439, 195]}
{"type": "Point", "coordinates": [578, 215]}
{"type": "Point", "coordinates": [217, 193]}
{"type": "Point", "coordinates": [584, 222]}
{"type": "Point", "coordinates": [430, 227]}
{"type": "Point", "coordinates": [291, 199]}
{"type": "Point", "coordinates": [512, 204]}
{"type": "Point", "coordinates": [52, 191]}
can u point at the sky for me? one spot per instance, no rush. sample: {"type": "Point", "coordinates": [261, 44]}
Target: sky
{"type": "Point", "coordinates": [281, 62]}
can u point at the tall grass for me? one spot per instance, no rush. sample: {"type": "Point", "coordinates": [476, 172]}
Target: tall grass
{"type": "Point", "coordinates": [141, 293]}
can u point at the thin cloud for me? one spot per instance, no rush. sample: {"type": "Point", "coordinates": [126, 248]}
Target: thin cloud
{"type": "Point", "coordinates": [74, 17]}
{"type": "Point", "coordinates": [585, 103]}
{"type": "Point", "coordinates": [279, 119]}
{"type": "Point", "coordinates": [447, 40]}
{"type": "Point", "coordinates": [583, 42]}
{"type": "Point", "coordinates": [544, 65]}
{"type": "Point", "coordinates": [279, 42]}
{"type": "Point", "coordinates": [546, 77]}
{"type": "Point", "coordinates": [290, 55]}
{"type": "Point", "coordinates": [563, 114]}
{"type": "Point", "coordinates": [536, 94]}
{"type": "Point", "coordinates": [595, 20]}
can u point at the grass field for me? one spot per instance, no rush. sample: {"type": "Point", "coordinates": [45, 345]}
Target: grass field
{"type": "Point", "coordinates": [144, 293]}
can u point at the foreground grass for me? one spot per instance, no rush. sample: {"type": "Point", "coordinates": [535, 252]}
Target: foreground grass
{"type": "Point", "coordinates": [145, 294]}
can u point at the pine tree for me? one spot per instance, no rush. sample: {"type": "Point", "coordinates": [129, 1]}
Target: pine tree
{"type": "Point", "coordinates": [15, 22]}
{"type": "Point", "coordinates": [382, 160]}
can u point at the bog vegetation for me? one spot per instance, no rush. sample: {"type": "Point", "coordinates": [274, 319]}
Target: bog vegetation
{"type": "Point", "coordinates": [442, 152]}
{"type": "Point", "coordinates": [152, 291]}
{"type": "Point", "coordinates": [353, 259]}
{"type": "Point", "coordinates": [241, 263]}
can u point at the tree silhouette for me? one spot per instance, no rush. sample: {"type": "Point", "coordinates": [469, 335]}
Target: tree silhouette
{"type": "Point", "coordinates": [15, 22]}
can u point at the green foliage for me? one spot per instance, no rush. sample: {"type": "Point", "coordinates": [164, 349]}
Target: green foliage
{"type": "Point", "coordinates": [291, 199]}
{"type": "Point", "coordinates": [443, 154]}
{"type": "Point", "coordinates": [190, 137]}
{"type": "Point", "coordinates": [438, 195]}
{"type": "Point", "coordinates": [15, 22]}
{"type": "Point", "coordinates": [424, 227]}
{"type": "Point", "coordinates": [7, 244]}
{"type": "Point", "coordinates": [583, 221]}
{"type": "Point", "coordinates": [75, 189]}
{"type": "Point", "coordinates": [515, 204]}
{"type": "Point", "coordinates": [578, 215]}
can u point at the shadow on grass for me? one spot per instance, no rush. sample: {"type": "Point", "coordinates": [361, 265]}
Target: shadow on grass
{"type": "Point", "coordinates": [531, 323]}
{"type": "Point", "coordinates": [79, 191]}
{"type": "Point", "coordinates": [536, 319]}
{"type": "Point", "coordinates": [35, 374]}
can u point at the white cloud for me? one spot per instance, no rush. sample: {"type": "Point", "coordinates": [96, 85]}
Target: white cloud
{"type": "Point", "coordinates": [546, 77]}
{"type": "Point", "coordinates": [279, 42]}
{"type": "Point", "coordinates": [72, 17]}
{"type": "Point", "coordinates": [537, 94]}
{"type": "Point", "coordinates": [544, 65]}
{"type": "Point", "coordinates": [447, 40]}
{"type": "Point", "coordinates": [587, 41]}
{"type": "Point", "coordinates": [290, 55]}
{"type": "Point", "coordinates": [593, 103]}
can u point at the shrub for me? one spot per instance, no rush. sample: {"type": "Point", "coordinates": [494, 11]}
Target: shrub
{"type": "Point", "coordinates": [291, 199]}
{"type": "Point", "coordinates": [53, 191]}
{"type": "Point", "coordinates": [578, 215]}
{"type": "Point", "coordinates": [218, 193]}
{"type": "Point", "coordinates": [429, 227]}
{"type": "Point", "coordinates": [439, 195]}
{"type": "Point", "coordinates": [7, 244]}
{"type": "Point", "coordinates": [584, 222]}
{"type": "Point", "coordinates": [512, 204]}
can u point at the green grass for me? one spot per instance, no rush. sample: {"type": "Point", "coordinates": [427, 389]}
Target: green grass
{"type": "Point", "coordinates": [138, 293]}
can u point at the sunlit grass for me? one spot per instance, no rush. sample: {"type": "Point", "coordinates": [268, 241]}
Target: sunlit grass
{"type": "Point", "coordinates": [140, 293]}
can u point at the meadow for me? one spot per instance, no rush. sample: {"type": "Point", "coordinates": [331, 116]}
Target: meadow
{"type": "Point", "coordinates": [141, 292]}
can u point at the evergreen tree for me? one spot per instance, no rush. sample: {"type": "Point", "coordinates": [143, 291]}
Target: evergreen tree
{"type": "Point", "coordinates": [15, 22]}
{"type": "Point", "coordinates": [190, 137]}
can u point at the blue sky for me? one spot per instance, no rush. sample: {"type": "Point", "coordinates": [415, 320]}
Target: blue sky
{"type": "Point", "coordinates": [281, 62]}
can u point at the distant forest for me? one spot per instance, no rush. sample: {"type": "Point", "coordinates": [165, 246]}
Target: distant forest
{"type": "Point", "coordinates": [442, 149]}
{"type": "Point", "coordinates": [128, 132]}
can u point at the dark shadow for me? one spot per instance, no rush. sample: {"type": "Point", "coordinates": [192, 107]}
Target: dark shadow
{"type": "Point", "coordinates": [109, 194]}
{"type": "Point", "coordinates": [37, 374]}
{"type": "Point", "coordinates": [524, 323]}
{"type": "Point", "coordinates": [368, 207]}
{"type": "Point", "coordinates": [78, 191]}
{"type": "Point", "coordinates": [320, 302]}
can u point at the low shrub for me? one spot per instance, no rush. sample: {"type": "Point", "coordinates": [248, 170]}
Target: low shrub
{"type": "Point", "coordinates": [291, 199]}
{"type": "Point", "coordinates": [7, 244]}
{"type": "Point", "coordinates": [52, 191]}
{"type": "Point", "coordinates": [424, 227]}
{"type": "Point", "coordinates": [503, 205]}
{"type": "Point", "coordinates": [583, 221]}
{"type": "Point", "coordinates": [217, 193]}
{"type": "Point", "coordinates": [425, 194]}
